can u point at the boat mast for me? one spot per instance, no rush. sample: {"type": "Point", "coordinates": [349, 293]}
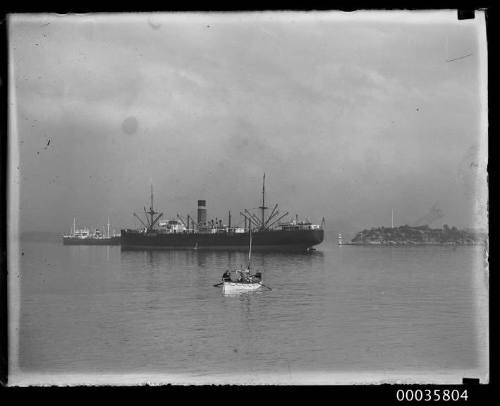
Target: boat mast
{"type": "Point", "coordinates": [74, 225]}
{"type": "Point", "coordinates": [250, 248]}
{"type": "Point", "coordinates": [263, 207]}
{"type": "Point", "coordinates": [108, 226]}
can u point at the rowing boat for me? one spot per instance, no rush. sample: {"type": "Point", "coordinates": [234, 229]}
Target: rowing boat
{"type": "Point", "coordinates": [242, 280]}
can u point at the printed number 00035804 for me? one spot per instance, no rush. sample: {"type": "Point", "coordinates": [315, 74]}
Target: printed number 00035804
{"type": "Point", "coordinates": [430, 395]}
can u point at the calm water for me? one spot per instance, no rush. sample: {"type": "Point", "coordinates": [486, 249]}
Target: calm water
{"type": "Point", "coordinates": [340, 309]}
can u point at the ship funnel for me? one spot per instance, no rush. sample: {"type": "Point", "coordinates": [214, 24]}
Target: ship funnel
{"type": "Point", "coordinates": [202, 212]}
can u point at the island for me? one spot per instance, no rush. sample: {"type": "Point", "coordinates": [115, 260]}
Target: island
{"type": "Point", "coordinates": [418, 235]}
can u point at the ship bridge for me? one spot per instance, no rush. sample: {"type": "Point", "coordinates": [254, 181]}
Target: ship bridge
{"type": "Point", "coordinates": [172, 226]}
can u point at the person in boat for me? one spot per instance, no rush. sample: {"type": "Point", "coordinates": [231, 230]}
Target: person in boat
{"type": "Point", "coordinates": [226, 276]}
{"type": "Point", "coordinates": [239, 276]}
{"type": "Point", "coordinates": [245, 275]}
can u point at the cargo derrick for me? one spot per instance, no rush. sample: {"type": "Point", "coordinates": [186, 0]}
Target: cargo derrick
{"type": "Point", "coordinates": [150, 216]}
{"type": "Point", "coordinates": [263, 224]}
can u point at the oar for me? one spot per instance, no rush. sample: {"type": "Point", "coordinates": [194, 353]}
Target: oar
{"type": "Point", "coordinates": [218, 284]}
{"type": "Point", "coordinates": [265, 286]}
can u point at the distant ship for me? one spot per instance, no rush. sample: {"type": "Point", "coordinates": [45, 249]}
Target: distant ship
{"type": "Point", "coordinates": [268, 233]}
{"type": "Point", "coordinates": [83, 236]}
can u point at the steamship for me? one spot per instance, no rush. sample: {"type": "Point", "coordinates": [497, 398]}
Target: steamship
{"type": "Point", "coordinates": [268, 231]}
{"type": "Point", "coordinates": [84, 236]}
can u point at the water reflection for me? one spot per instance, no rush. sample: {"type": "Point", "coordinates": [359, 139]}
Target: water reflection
{"type": "Point", "coordinates": [229, 258]}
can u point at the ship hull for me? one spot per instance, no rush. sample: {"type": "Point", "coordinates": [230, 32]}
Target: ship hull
{"type": "Point", "coordinates": [91, 241]}
{"type": "Point", "coordinates": [297, 240]}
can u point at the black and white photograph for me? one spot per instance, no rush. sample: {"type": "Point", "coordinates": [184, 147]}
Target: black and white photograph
{"type": "Point", "coordinates": [247, 198]}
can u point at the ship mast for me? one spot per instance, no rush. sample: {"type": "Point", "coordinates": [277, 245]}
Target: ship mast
{"type": "Point", "coordinates": [152, 212]}
{"type": "Point", "coordinates": [108, 226]}
{"type": "Point", "coordinates": [263, 224]}
{"type": "Point", "coordinates": [263, 207]}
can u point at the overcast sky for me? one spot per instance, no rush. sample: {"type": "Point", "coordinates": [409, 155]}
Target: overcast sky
{"type": "Point", "coordinates": [349, 115]}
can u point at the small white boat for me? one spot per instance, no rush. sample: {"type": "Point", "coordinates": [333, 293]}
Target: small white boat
{"type": "Point", "coordinates": [242, 280]}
